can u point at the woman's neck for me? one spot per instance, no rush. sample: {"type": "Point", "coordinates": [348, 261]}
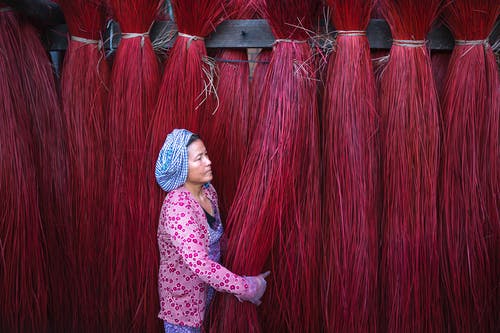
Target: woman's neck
{"type": "Point", "coordinates": [196, 190]}
{"type": "Point", "coordinates": [200, 196]}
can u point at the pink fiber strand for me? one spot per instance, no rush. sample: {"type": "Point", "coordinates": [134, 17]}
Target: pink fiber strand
{"type": "Point", "coordinates": [351, 176]}
{"type": "Point", "coordinates": [274, 217]}
{"type": "Point", "coordinates": [132, 250]}
{"type": "Point", "coordinates": [410, 146]}
{"type": "Point", "coordinates": [469, 172]}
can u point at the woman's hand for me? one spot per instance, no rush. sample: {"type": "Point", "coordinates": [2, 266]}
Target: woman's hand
{"type": "Point", "coordinates": [257, 285]}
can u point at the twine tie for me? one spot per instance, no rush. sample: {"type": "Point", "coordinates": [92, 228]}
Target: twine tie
{"type": "Point", "coordinates": [129, 35]}
{"type": "Point", "coordinates": [351, 33]}
{"type": "Point", "coordinates": [87, 41]}
{"type": "Point", "coordinates": [190, 38]}
{"type": "Point", "coordinates": [408, 42]}
{"type": "Point", "coordinates": [462, 42]}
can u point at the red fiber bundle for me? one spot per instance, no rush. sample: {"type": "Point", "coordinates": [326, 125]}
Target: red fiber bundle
{"type": "Point", "coordinates": [135, 78]}
{"type": "Point", "coordinates": [469, 189]}
{"type": "Point", "coordinates": [84, 84]}
{"type": "Point", "coordinates": [350, 157]}
{"type": "Point", "coordinates": [23, 281]}
{"type": "Point", "coordinates": [440, 60]}
{"type": "Point", "coordinates": [37, 97]}
{"type": "Point", "coordinates": [225, 128]}
{"type": "Point", "coordinates": [256, 86]}
{"type": "Point", "coordinates": [188, 78]}
{"type": "Point", "coordinates": [276, 212]}
{"type": "Point", "coordinates": [376, 10]}
{"type": "Point", "coordinates": [410, 138]}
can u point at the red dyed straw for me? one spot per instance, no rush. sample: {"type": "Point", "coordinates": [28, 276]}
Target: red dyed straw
{"type": "Point", "coordinates": [84, 84]}
{"type": "Point", "coordinates": [23, 280]}
{"type": "Point", "coordinates": [440, 61]}
{"type": "Point", "coordinates": [256, 85]}
{"type": "Point", "coordinates": [276, 210]}
{"type": "Point", "coordinates": [410, 139]}
{"type": "Point", "coordinates": [350, 192]}
{"type": "Point", "coordinates": [225, 129]}
{"type": "Point", "coordinates": [470, 165]}
{"type": "Point", "coordinates": [133, 254]}
{"type": "Point", "coordinates": [35, 280]}
{"type": "Point", "coordinates": [180, 105]}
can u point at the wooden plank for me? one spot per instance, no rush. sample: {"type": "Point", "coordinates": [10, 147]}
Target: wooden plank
{"type": "Point", "coordinates": [241, 34]}
{"type": "Point", "coordinates": [379, 34]}
{"type": "Point", "coordinates": [441, 38]}
{"type": "Point", "coordinates": [256, 34]}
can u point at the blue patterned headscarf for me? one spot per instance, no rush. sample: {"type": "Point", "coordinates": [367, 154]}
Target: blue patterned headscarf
{"type": "Point", "coordinates": [172, 164]}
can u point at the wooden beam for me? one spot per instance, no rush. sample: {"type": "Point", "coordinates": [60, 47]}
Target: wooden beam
{"type": "Point", "coordinates": [256, 34]}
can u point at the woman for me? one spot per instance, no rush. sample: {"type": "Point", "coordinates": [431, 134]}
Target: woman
{"type": "Point", "coordinates": [189, 231]}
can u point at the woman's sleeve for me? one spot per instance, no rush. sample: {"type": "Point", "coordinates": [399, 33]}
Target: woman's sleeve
{"type": "Point", "coordinates": [190, 239]}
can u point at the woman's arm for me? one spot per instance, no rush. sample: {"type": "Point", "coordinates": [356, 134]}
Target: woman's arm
{"type": "Point", "coordinates": [189, 237]}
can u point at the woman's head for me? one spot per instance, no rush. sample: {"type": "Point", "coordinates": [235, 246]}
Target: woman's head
{"type": "Point", "coordinates": [199, 165]}
{"type": "Point", "coordinates": [174, 164]}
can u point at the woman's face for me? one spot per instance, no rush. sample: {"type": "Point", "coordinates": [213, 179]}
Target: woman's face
{"type": "Point", "coordinates": [199, 165]}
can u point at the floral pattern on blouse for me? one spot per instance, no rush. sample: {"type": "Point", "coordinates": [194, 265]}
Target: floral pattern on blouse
{"type": "Point", "coordinates": [185, 267]}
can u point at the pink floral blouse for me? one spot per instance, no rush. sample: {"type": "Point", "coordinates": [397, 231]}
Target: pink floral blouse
{"type": "Point", "coordinates": [185, 268]}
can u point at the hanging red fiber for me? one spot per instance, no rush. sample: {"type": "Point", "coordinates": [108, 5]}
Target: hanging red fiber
{"type": "Point", "coordinates": [84, 85]}
{"type": "Point", "coordinates": [261, 63]}
{"type": "Point", "coordinates": [256, 85]}
{"type": "Point", "coordinates": [276, 212]}
{"type": "Point", "coordinates": [410, 141]}
{"type": "Point", "coordinates": [188, 79]}
{"type": "Point", "coordinates": [350, 185]}
{"type": "Point", "coordinates": [440, 61]}
{"type": "Point", "coordinates": [469, 175]}
{"type": "Point", "coordinates": [23, 280]}
{"type": "Point", "coordinates": [135, 78]}
{"type": "Point", "coordinates": [36, 95]}
{"type": "Point", "coordinates": [257, 78]}
{"type": "Point", "coordinates": [376, 11]}
{"type": "Point", "coordinates": [225, 125]}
